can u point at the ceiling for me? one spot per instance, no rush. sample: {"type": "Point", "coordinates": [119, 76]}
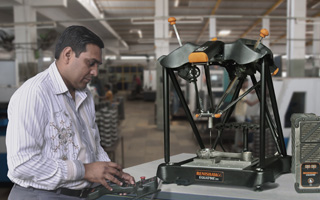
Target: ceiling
{"type": "Point", "coordinates": [244, 23]}
{"type": "Point", "coordinates": [127, 25]}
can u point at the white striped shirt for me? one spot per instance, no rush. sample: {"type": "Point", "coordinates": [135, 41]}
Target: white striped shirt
{"type": "Point", "coordinates": [49, 135]}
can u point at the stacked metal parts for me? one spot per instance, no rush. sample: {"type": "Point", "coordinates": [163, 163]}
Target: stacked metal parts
{"type": "Point", "coordinates": [107, 121]}
{"type": "Point", "coordinates": [249, 130]}
{"type": "Point", "coordinates": [270, 149]}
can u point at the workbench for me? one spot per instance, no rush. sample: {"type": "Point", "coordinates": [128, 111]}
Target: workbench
{"type": "Point", "coordinates": [282, 189]}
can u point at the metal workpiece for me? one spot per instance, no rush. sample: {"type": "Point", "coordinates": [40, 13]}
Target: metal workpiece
{"type": "Point", "coordinates": [211, 153]}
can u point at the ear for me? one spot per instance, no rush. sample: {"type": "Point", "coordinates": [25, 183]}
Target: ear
{"type": "Point", "coordinates": [66, 54]}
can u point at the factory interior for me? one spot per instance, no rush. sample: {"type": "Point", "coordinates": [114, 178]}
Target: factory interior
{"type": "Point", "coordinates": [170, 102]}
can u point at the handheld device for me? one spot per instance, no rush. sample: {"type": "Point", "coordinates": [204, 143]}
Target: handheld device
{"type": "Point", "coordinates": [142, 188]}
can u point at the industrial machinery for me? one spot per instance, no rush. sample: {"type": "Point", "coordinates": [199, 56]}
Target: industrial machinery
{"type": "Point", "coordinates": [241, 59]}
{"type": "Point", "coordinates": [305, 151]}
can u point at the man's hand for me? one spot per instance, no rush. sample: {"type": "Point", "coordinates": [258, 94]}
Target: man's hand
{"type": "Point", "coordinates": [99, 172]}
{"type": "Point", "coordinates": [127, 178]}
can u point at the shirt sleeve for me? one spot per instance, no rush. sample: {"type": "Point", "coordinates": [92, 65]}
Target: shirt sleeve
{"type": "Point", "coordinates": [25, 140]}
{"type": "Point", "coordinates": [101, 153]}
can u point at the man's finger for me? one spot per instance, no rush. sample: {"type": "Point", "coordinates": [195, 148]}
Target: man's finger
{"type": "Point", "coordinates": [114, 179]}
{"type": "Point", "coordinates": [115, 165]}
{"type": "Point", "coordinates": [106, 185]}
{"type": "Point", "coordinates": [128, 178]}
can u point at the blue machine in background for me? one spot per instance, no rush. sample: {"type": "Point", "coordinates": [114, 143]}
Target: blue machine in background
{"type": "Point", "coordinates": [8, 84]}
{"type": "Point", "coordinates": [3, 152]}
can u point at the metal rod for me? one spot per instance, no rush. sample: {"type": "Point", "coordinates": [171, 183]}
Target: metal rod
{"type": "Point", "coordinates": [270, 122]}
{"type": "Point", "coordinates": [276, 113]}
{"type": "Point", "coordinates": [262, 116]}
{"type": "Point", "coordinates": [230, 86]}
{"type": "Point", "coordinates": [210, 135]}
{"type": "Point", "coordinates": [207, 74]}
{"type": "Point", "coordinates": [228, 113]}
{"type": "Point", "coordinates": [166, 116]}
{"type": "Point", "coordinates": [240, 97]}
{"type": "Point", "coordinates": [235, 96]}
{"type": "Point", "coordinates": [177, 34]}
{"type": "Point", "coordinates": [198, 100]}
{"type": "Point", "coordinates": [245, 138]}
{"type": "Point", "coordinates": [185, 107]}
{"type": "Point", "coordinates": [215, 142]}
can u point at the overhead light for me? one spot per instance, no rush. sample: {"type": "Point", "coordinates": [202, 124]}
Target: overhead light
{"type": "Point", "coordinates": [180, 20]}
{"type": "Point", "coordinates": [110, 57]}
{"type": "Point", "coordinates": [306, 56]}
{"type": "Point", "coordinates": [189, 20]}
{"type": "Point", "coordinates": [136, 57]}
{"type": "Point", "coordinates": [46, 59]}
{"type": "Point", "coordinates": [224, 32]}
{"type": "Point", "coordinates": [176, 3]}
{"type": "Point", "coordinates": [284, 74]}
{"type": "Point", "coordinates": [137, 31]}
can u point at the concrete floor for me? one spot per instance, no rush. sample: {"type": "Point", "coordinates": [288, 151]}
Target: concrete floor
{"type": "Point", "coordinates": [142, 141]}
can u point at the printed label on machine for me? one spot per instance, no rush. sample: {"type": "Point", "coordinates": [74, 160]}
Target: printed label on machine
{"type": "Point", "coordinates": [310, 175]}
{"type": "Point", "coordinates": [209, 175]}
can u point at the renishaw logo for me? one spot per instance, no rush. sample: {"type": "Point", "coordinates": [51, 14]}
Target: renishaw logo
{"type": "Point", "coordinates": [209, 175]}
{"type": "Point", "coordinates": [214, 174]}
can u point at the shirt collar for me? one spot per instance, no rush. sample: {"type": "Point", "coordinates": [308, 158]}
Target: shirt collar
{"type": "Point", "coordinates": [59, 87]}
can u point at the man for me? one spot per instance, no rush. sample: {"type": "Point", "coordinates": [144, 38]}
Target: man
{"type": "Point", "coordinates": [137, 84]}
{"type": "Point", "coordinates": [108, 95]}
{"type": "Point", "coordinates": [53, 143]}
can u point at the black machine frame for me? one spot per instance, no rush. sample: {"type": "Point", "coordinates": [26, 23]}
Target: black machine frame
{"type": "Point", "coordinates": [242, 59]}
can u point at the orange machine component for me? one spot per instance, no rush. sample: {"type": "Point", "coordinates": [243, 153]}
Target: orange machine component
{"type": "Point", "coordinates": [214, 39]}
{"type": "Point", "coordinates": [172, 20]}
{"type": "Point", "coordinates": [264, 32]}
{"type": "Point", "coordinates": [275, 72]}
{"type": "Point", "coordinates": [198, 57]}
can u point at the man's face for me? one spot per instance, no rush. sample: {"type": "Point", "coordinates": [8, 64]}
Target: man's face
{"type": "Point", "coordinates": [82, 69]}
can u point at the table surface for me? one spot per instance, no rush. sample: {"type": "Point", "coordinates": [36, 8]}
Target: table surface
{"type": "Point", "coordinates": [283, 188]}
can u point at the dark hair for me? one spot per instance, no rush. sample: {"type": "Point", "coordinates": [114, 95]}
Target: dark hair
{"type": "Point", "coordinates": [76, 37]}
